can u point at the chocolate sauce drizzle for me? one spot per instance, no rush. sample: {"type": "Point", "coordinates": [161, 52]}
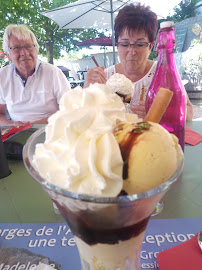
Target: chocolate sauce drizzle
{"type": "Point", "coordinates": [128, 144]}
{"type": "Point", "coordinates": [84, 225]}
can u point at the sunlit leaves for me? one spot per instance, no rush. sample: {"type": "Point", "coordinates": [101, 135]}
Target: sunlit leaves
{"type": "Point", "coordinates": [50, 38]}
{"type": "Point", "coordinates": [182, 12]}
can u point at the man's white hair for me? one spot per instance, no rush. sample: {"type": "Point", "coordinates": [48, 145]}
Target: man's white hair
{"type": "Point", "coordinates": [21, 32]}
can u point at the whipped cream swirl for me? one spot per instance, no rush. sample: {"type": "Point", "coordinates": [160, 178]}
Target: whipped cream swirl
{"type": "Point", "coordinates": [80, 152]}
{"type": "Point", "coordinates": [119, 83]}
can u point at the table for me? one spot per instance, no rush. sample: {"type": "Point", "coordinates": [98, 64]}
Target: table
{"type": "Point", "coordinates": [22, 199]}
{"type": "Point", "coordinates": [184, 200]}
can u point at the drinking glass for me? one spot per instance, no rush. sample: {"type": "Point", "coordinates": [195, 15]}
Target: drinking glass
{"type": "Point", "coordinates": [108, 231]}
{"type": "Point", "coordinates": [158, 209]}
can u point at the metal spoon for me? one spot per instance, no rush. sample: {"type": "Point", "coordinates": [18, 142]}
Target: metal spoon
{"type": "Point", "coordinates": [200, 240]}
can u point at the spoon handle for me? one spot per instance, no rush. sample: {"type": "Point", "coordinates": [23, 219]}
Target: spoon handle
{"type": "Point", "coordinates": [95, 61]}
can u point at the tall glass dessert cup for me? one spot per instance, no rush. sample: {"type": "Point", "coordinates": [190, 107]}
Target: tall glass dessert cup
{"type": "Point", "coordinates": [108, 231]}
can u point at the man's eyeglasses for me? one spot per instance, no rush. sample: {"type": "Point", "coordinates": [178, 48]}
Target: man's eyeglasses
{"type": "Point", "coordinates": [17, 49]}
{"type": "Point", "coordinates": [137, 45]}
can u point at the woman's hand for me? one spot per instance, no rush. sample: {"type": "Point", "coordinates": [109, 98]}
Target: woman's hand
{"type": "Point", "coordinates": [139, 109]}
{"type": "Point", "coordinates": [95, 75]}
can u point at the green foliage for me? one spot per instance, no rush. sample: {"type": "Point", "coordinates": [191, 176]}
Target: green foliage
{"type": "Point", "coordinates": [3, 62]}
{"type": "Point", "coordinates": [192, 63]}
{"type": "Point", "coordinates": [153, 55]}
{"type": "Point", "coordinates": [182, 12]}
{"type": "Point", "coordinates": [51, 39]}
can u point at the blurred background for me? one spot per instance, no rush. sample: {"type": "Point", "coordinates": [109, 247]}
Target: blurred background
{"type": "Point", "coordinates": [61, 46]}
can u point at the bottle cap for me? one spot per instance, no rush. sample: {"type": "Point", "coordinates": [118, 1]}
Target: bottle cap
{"type": "Point", "coordinates": [166, 24]}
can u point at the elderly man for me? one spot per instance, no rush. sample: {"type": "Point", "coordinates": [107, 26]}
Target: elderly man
{"type": "Point", "coordinates": [30, 90]}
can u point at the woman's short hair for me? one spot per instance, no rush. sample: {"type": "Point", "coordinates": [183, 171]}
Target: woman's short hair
{"type": "Point", "coordinates": [21, 31]}
{"type": "Point", "coordinates": [136, 18]}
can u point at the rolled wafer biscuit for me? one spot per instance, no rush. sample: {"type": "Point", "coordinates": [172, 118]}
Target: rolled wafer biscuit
{"type": "Point", "coordinates": [159, 105]}
{"type": "Point", "coordinates": [142, 93]}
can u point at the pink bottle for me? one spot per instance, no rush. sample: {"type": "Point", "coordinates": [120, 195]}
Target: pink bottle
{"type": "Point", "coordinates": [167, 76]}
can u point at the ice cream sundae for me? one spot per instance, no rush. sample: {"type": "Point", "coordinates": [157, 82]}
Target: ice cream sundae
{"type": "Point", "coordinates": [95, 163]}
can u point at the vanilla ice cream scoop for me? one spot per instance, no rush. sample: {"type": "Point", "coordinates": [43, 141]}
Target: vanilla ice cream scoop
{"type": "Point", "coordinates": [121, 85]}
{"type": "Point", "coordinates": [150, 155]}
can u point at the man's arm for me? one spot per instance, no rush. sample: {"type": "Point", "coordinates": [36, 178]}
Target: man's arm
{"type": "Point", "coordinates": [4, 121]}
{"type": "Point", "coordinates": [61, 85]}
{"type": "Point", "coordinates": [41, 121]}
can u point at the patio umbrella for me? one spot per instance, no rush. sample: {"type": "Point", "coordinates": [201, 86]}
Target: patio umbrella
{"type": "Point", "coordinates": [100, 41]}
{"type": "Point", "coordinates": [100, 13]}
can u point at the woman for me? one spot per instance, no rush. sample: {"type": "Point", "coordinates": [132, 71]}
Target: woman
{"type": "Point", "coordinates": [135, 32]}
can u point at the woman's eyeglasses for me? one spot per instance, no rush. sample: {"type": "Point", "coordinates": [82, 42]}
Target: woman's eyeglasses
{"type": "Point", "coordinates": [17, 49]}
{"type": "Point", "coordinates": [137, 45]}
